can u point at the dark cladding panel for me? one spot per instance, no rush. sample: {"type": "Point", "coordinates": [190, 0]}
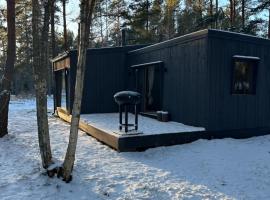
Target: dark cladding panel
{"type": "Point", "coordinates": [196, 82]}
{"type": "Point", "coordinates": [237, 111]}
{"type": "Point", "coordinates": [185, 85]}
{"type": "Point", "coordinates": [105, 74]}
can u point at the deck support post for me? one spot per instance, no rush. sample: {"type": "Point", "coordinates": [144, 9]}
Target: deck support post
{"type": "Point", "coordinates": [120, 117]}
{"type": "Point", "coordinates": [126, 118]}
{"type": "Point", "coordinates": [136, 117]}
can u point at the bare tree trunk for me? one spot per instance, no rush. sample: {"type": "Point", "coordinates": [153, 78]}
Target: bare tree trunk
{"type": "Point", "coordinates": [65, 25]}
{"type": "Point", "coordinates": [118, 27]}
{"type": "Point", "coordinates": [147, 17]}
{"type": "Point", "coordinates": [87, 7]}
{"type": "Point", "coordinates": [50, 72]}
{"type": "Point", "coordinates": [234, 12]}
{"type": "Point", "coordinates": [5, 84]}
{"type": "Point", "coordinates": [101, 23]}
{"type": "Point", "coordinates": [217, 15]}
{"type": "Point", "coordinates": [211, 12]}
{"type": "Point", "coordinates": [54, 53]}
{"type": "Point", "coordinates": [200, 8]}
{"type": "Point", "coordinates": [106, 23]}
{"type": "Point", "coordinates": [269, 23]}
{"type": "Point", "coordinates": [40, 77]}
{"type": "Point", "coordinates": [243, 14]}
{"type": "Point", "coordinates": [53, 41]}
{"type": "Point", "coordinates": [231, 13]}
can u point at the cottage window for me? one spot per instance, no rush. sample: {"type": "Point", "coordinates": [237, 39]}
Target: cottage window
{"type": "Point", "coordinates": [244, 74]}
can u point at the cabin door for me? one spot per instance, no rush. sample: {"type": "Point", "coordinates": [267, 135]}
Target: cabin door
{"type": "Point", "coordinates": [149, 84]}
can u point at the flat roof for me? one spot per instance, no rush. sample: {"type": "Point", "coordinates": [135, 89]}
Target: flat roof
{"type": "Point", "coordinates": [181, 39]}
{"type": "Point", "coordinates": [212, 33]}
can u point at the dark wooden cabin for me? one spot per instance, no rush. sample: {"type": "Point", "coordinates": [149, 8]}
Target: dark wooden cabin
{"type": "Point", "coordinates": [106, 74]}
{"type": "Point", "coordinates": [213, 79]}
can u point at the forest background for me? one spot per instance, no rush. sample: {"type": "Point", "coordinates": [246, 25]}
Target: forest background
{"type": "Point", "coordinates": [145, 22]}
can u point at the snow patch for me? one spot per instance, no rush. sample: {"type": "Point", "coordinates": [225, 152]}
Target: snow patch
{"type": "Point", "coordinates": [215, 169]}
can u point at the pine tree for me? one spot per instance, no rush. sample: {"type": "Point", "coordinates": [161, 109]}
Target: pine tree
{"type": "Point", "coordinates": [117, 13]}
{"type": "Point", "coordinates": [170, 18]}
{"type": "Point", "coordinates": [155, 19]}
{"type": "Point", "coordinates": [138, 21]}
{"type": "Point", "coordinates": [263, 5]}
{"type": "Point", "coordinates": [23, 68]}
{"type": "Point", "coordinates": [3, 40]}
{"type": "Point", "coordinates": [5, 82]}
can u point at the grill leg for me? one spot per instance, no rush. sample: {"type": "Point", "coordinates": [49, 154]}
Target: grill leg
{"type": "Point", "coordinates": [126, 119]}
{"type": "Point", "coordinates": [136, 117]}
{"type": "Point", "coordinates": [120, 117]}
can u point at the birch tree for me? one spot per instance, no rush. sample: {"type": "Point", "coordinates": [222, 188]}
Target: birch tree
{"type": "Point", "coordinates": [5, 83]}
{"type": "Point", "coordinates": [86, 11]}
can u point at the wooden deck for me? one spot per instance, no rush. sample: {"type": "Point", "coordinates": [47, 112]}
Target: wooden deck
{"type": "Point", "coordinates": [142, 142]}
{"type": "Point", "coordinates": [133, 142]}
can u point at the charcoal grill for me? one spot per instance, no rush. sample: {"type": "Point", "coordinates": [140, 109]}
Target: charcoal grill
{"type": "Point", "coordinates": [126, 99]}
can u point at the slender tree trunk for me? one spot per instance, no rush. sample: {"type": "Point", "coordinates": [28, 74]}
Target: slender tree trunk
{"type": "Point", "coordinates": [118, 28]}
{"type": "Point", "coordinates": [243, 14]}
{"type": "Point", "coordinates": [5, 84]}
{"type": "Point", "coordinates": [200, 8]}
{"type": "Point", "coordinates": [40, 77]}
{"type": "Point", "coordinates": [53, 41]}
{"type": "Point", "coordinates": [231, 13]}
{"type": "Point", "coordinates": [50, 72]}
{"type": "Point", "coordinates": [87, 7]}
{"type": "Point", "coordinates": [211, 12]}
{"type": "Point", "coordinates": [217, 15]}
{"type": "Point", "coordinates": [234, 12]}
{"type": "Point", "coordinates": [101, 24]}
{"type": "Point", "coordinates": [106, 23]}
{"type": "Point", "coordinates": [65, 25]}
{"type": "Point", "coordinates": [269, 23]}
{"type": "Point", "coordinates": [54, 53]}
{"type": "Point", "coordinates": [147, 17]}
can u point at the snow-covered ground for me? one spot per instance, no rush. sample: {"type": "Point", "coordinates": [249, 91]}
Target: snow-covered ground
{"type": "Point", "coordinates": [216, 169]}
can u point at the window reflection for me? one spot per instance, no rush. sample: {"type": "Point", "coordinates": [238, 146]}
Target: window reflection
{"type": "Point", "coordinates": [244, 76]}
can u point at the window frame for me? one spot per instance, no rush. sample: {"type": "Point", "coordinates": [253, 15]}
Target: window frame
{"type": "Point", "coordinates": [255, 66]}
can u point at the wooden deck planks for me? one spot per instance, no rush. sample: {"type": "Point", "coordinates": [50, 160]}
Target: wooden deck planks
{"type": "Point", "coordinates": [143, 142]}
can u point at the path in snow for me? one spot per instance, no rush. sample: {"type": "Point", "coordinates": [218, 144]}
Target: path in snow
{"type": "Point", "coordinates": [216, 169]}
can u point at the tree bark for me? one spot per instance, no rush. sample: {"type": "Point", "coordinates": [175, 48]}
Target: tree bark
{"type": "Point", "coordinates": [211, 12]}
{"type": "Point", "coordinates": [53, 47]}
{"type": "Point", "coordinates": [234, 12]}
{"type": "Point", "coordinates": [243, 14]}
{"type": "Point", "coordinates": [268, 22]}
{"type": "Point", "coordinates": [217, 15]}
{"type": "Point", "coordinates": [86, 10]}
{"type": "Point", "coordinates": [54, 53]}
{"type": "Point", "coordinates": [5, 84]}
{"type": "Point", "coordinates": [53, 41]}
{"type": "Point", "coordinates": [40, 77]}
{"type": "Point", "coordinates": [65, 25]}
{"type": "Point", "coordinates": [231, 13]}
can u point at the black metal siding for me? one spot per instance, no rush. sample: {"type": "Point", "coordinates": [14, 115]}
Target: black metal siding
{"type": "Point", "coordinates": [186, 85]}
{"type": "Point", "coordinates": [228, 111]}
{"type": "Point", "coordinates": [106, 74]}
{"type": "Point", "coordinates": [196, 85]}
